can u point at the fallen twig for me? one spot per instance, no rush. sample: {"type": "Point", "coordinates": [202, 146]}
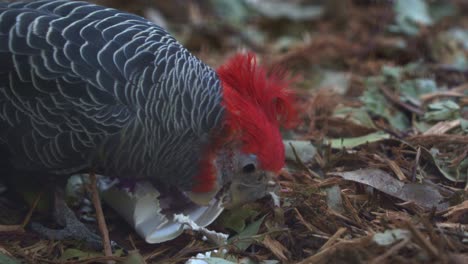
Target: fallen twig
{"type": "Point", "coordinates": [333, 238]}
{"type": "Point", "coordinates": [11, 228]}
{"type": "Point", "coordinates": [423, 242]}
{"type": "Point", "coordinates": [394, 249]}
{"type": "Point", "coordinates": [100, 217]}
{"type": "Point", "coordinates": [326, 253]}
{"type": "Point", "coordinates": [31, 210]}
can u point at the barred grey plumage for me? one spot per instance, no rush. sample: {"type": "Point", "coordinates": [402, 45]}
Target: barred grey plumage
{"type": "Point", "coordinates": [83, 86]}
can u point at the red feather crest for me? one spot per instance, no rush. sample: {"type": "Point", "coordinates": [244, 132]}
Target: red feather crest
{"type": "Point", "coordinates": [257, 104]}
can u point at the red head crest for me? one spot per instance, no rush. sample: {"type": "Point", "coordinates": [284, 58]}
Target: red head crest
{"type": "Point", "coordinates": [257, 103]}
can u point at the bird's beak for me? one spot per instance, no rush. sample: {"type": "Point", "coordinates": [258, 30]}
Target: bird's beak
{"type": "Point", "coordinates": [202, 199]}
{"type": "Point", "coordinates": [255, 187]}
{"type": "Point", "coordinates": [241, 190]}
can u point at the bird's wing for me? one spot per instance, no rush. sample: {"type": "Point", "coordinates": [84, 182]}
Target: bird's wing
{"type": "Point", "coordinates": [73, 74]}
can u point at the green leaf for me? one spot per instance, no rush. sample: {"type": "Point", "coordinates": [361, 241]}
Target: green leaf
{"type": "Point", "coordinates": [356, 115]}
{"type": "Point", "coordinates": [304, 150]}
{"type": "Point", "coordinates": [390, 236]}
{"type": "Point", "coordinates": [464, 124]}
{"type": "Point", "coordinates": [444, 110]}
{"type": "Point", "coordinates": [376, 103]}
{"type": "Point", "coordinates": [234, 12]}
{"type": "Point", "coordinates": [285, 9]}
{"type": "Point", "coordinates": [457, 174]}
{"type": "Point", "coordinates": [217, 261]}
{"type": "Point", "coordinates": [134, 257]}
{"type": "Point", "coordinates": [421, 126]}
{"type": "Point", "coordinates": [410, 14]}
{"type": "Point", "coordinates": [5, 259]}
{"type": "Point", "coordinates": [356, 141]}
{"type": "Point", "coordinates": [244, 239]}
{"type": "Point", "coordinates": [235, 219]}
{"type": "Point", "coordinates": [392, 72]}
{"type": "Point", "coordinates": [411, 90]}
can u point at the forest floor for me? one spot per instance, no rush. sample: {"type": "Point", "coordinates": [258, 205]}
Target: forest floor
{"type": "Point", "coordinates": [380, 162]}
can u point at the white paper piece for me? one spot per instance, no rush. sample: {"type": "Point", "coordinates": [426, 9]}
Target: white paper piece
{"type": "Point", "coordinates": [141, 209]}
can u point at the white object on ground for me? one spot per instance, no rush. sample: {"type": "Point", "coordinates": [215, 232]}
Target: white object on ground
{"type": "Point", "coordinates": [218, 238]}
{"type": "Point", "coordinates": [141, 209]}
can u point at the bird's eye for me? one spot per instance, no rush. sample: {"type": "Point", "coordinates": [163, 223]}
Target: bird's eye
{"type": "Point", "coordinates": [249, 168]}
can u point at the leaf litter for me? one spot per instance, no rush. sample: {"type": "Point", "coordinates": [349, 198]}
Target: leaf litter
{"type": "Point", "coordinates": [377, 170]}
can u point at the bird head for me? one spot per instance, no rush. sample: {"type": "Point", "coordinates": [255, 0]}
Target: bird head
{"type": "Point", "coordinates": [248, 152]}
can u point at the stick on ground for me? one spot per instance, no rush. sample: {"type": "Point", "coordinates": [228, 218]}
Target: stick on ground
{"type": "Point", "coordinates": [100, 216]}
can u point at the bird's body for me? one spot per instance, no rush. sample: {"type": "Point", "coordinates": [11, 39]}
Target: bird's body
{"type": "Point", "coordinates": [84, 87]}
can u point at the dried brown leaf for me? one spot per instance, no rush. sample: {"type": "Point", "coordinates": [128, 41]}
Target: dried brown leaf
{"type": "Point", "coordinates": [422, 194]}
{"type": "Point", "coordinates": [276, 248]}
{"type": "Point", "coordinates": [458, 213]}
